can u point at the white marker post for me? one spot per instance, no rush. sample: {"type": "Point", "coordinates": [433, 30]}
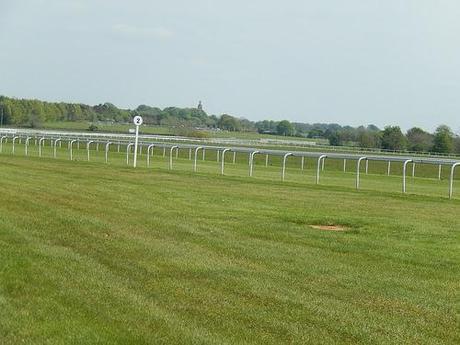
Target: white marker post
{"type": "Point", "coordinates": [137, 121]}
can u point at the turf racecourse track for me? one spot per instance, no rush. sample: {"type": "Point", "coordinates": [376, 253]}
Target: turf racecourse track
{"type": "Point", "coordinates": [417, 174]}
{"type": "Point", "coordinates": [101, 253]}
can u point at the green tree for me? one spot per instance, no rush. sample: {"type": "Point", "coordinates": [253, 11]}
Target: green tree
{"type": "Point", "coordinates": [419, 140]}
{"type": "Point", "coordinates": [334, 138]}
{"type": "Point", "coordinates": [229, 123]}
{"type": "Point", "coordinates": [315, 133]}
{"type": "Point", "coordinates": [368, 138]}
{"type": "Point", "coordinates": [74, 112]}
{"type": "Point", "coordinates": [457, 145]}
{"type": "Point", "coordinates": [6, 113]}
{"type": "Point", "coordinates": [246, 125]}
{"type": "Point", "coordinates": [285, 128]}
{"type": "Point", "coordinates": [266, 126]}
{"type": "Point", "coordinates": [34, 120]}
{"type": "Point", "coordinates": [211, 121]}
{"type": "Point", "coordinates": [373, 128]}
{"type": "Point", "coordinates": [393, 139]}
{"type": "Point", "coordinates": [443, 141]}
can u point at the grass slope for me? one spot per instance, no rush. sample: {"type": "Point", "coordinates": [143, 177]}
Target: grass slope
{"type": "Point", "coordinates": [97, 254]}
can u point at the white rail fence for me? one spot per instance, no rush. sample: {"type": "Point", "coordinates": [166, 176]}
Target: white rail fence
{"type": "Point", "coordinates": [123, 142]}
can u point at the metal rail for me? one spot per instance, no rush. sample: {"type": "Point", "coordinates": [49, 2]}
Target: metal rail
{"type": "Point", "coordinates": [107, 140]}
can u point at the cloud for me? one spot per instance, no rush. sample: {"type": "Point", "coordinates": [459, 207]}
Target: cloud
{"type": "Point", "coordinates": [131, 31]}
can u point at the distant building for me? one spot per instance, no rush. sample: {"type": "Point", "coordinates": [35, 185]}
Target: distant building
{"type": "Point", "coordinates": [200, 106]}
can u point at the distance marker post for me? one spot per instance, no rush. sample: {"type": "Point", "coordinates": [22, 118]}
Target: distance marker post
{"type": "Point", "coordinates": [138, 122]}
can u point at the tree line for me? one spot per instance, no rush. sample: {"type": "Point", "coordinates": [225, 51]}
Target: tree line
{"type": "Point", "coordinates": [33, 113]}
{"type": "Point", "coordinates": [392, 138]}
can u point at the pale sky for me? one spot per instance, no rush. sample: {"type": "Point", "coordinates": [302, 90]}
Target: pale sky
{"type": "Point", "coordinates": [351, 62]}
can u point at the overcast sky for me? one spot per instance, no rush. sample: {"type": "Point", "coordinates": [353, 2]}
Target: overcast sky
{"type": "Point", "coordinates": [351, 62]}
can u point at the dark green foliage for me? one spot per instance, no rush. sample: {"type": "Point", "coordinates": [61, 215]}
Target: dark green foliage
{"type": "Point", "coordinates": [334, 138]}
{"type": "Point", "coordinates": [419, 140]}
{"type": "Point", "coordinates": [285, 128]}
{"type": "Point", "coordinates": [35, 113]}
{"type": "Point", "coordinates": [229, 123]}
{"type": "Point", "coordinates": [246, 125]}
{"type": "Point", "coordinates": [457, 145]}
{"type": "Point", "coordinates": [25, 112]}
{"type": "Point", "coordinates": [92, 128]}
{"type": "Point", "coordinates": [393, 139]}
{"type": "Point", "coordinates": [266, 126]}
{"type": "Point", "coordinates": [32, 113]}
{"type": "Point", "coordinates": [368, 138]}
{"type": "Point", "coordinates": [109, 112]}
{"type": "Point", "coordinates": [316, 133]}
{"type": "Point", "coordinates": [443, 141]}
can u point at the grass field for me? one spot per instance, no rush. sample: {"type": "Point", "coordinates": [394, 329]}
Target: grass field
{"type": "Point", "coordinates": [104, 254]}
{"type": "Point", "coordinates": [111, 128]}
{"type": "Point", "coordinates": [253, 139]}
{"type": "Point", "coordinates": [425, 183]}
{"type": "Point", "coordinates": [164, 130]}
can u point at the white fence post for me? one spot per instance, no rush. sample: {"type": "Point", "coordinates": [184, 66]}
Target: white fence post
{"type": "Point", "coordinates": [318, 167]}
{"type": "Point", "coordinates": [358, 171]}
{"type": "Point", "coordinates": [404, 174]}
{"type": "Point", "coordinates": [283, 170]}
{"type": "Point", "coordinates": [223, 161]}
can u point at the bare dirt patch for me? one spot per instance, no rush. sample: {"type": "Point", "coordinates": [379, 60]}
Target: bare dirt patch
{"type": "Point", "coordinates": [329, 227]}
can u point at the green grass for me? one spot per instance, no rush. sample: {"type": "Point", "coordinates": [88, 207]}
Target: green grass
{"type": "Point", "coordinates": [107, 128]}
{"type": "Point", "coordinates": [425, 183]}
{"type": "Point", "coordinates": [247, 138]}
{"type": "Point", "coordinates": [163, 130]}
{"type": "Point", "coordinates": [104, 254]}
{"type": "Point", "coordinates": [258, 136]}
